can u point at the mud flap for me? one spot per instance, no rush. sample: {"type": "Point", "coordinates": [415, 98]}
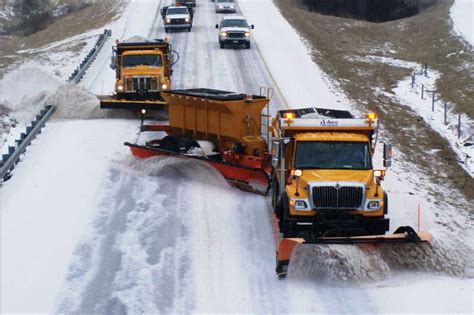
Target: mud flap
{"type": "Point", "coordinates": [286, 246]}
{"type": "Point", "coordinates": [248, 179]}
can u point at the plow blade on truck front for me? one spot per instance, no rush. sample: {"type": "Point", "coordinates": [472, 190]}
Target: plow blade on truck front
{"type": "Point", "coordinates": [286, 246]}
{"type": "Point", "coordinates": [113, 102]}
{"type": "Point", "coordinates": [255, 180]}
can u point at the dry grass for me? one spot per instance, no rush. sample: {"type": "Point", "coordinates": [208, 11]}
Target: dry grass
{"type": "Point", "coordinates": [92, 17]}
{"type": "Point", "coordinates": [425, 38]}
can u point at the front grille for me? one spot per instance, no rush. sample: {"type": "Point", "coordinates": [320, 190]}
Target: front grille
{"type": "Point", "coordinates": [329, 197]}
{"type": "Point", "coordinates": [177, 21]}
{"type": "Point", "coordinates": [142, 84]}
{"type": "Point", "coordinates": [236, 35]}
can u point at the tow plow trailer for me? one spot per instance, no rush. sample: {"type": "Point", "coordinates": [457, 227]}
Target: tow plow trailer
{"type": "Point", "coordinates": [228, 122]}
{"type": "Point", "coordinates": [286, 246]}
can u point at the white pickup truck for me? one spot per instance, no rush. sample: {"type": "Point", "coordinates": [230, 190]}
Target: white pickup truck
{"type": "Point", "coordinates": [234, 30]}
{"type": "Point", "coordinates": [225, 6]}
{"type": "Point", "coordinates": [177, 17]}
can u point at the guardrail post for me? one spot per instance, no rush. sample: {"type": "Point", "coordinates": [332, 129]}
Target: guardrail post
{"type": "Point", "coordinates": [459, 126]}
{"type": "Point", "coordinates": [413, 78]}
{"type": "Point", "coordinates": [432, 101]}
{"type": "Point", "coordinates": [445, 113]}
{"type": "Point", "coordinates": [422, 91]}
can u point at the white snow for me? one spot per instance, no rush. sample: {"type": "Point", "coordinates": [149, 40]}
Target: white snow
{"type": "Point", "coordinates": [287, 56]}
{"type": "Point", "coordinates": [462, 13]}
{"type": "Point", "coordinates": [47, 204]}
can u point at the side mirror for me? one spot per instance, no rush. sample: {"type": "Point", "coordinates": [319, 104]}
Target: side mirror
{"type": "Point", "coordinates": [252, 26]}
{"type": "Point", "coordinates": [275, 153]}
{"type": "Point", "coordinates": [113, 64]}
{"type": "Point", "coordinates": [387, 155]}
{"type": "Point", "coordinates": [217, 25]}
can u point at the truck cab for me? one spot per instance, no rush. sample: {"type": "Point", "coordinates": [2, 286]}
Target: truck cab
{"type": "Point", "coordinates": [143, 68]}
{"type": "Point", "coordinates": [325, 183]}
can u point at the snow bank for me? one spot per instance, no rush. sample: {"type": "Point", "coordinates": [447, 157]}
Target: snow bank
{"type": "Point", "coordinates": [38, 89]}
{"type": "Point", "coordinates": [462, 14]}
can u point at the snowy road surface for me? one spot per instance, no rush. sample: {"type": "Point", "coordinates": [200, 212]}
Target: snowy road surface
{"type": "Point", "coordinates": [97, 231]}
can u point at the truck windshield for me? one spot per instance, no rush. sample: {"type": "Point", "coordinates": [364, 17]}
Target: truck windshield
{"type": "Point", "coordinates": [142, 60]}
{"type": "Point", "coordinates": [172, 11]}
{"type": "Point", "coordinates": [234, 23]}
{"type": "Point", "coordinates": [332, 155]}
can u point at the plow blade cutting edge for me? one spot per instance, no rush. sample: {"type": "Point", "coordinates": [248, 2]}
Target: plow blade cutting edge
{"type": "Point", "coordinates": [404, 234]}
{"type": "Point", "coordinates": [112, 102]}
{"type": "Point", "coordinates": [245, 178]}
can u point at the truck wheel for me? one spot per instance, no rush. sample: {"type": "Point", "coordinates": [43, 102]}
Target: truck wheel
{"type": "Point", "coordinates": [222, 45]}
{"type": "Point", "coordinates": [287, 228]}
{"type": "Point", "coordinates": [385, 203]}
{"type": "Point", "coordinates": [189, 29]}
{"type": "Point", "coordinates": [247, 45]}
{"type": "Point", "coordinates": [166, 30]}
{"type": "Point", "coordinates": [275, 193]}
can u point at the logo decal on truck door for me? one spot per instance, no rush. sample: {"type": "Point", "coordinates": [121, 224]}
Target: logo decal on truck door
{"type": "Point", "coordinates": [329, 123]}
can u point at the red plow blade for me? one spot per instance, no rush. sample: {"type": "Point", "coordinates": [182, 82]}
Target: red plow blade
{"type": "Point", "coordinates": [249, 179]}
{"type": "Point", "coordinates": [404, 234]}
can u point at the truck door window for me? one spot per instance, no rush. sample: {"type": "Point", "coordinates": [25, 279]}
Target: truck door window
{"type": "Point", "coordinates": [234, 23]}
{"type": "Point", "coordinates": [142, 60]}
{"type": "Point", "coordinates": [332, 155]}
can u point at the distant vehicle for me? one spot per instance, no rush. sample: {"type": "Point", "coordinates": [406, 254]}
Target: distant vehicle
{"type": "Point", "coordinates": [234, 30]}
{"type": "Point", "coordinates": [188, 3]}
{"type": "Point", "coordinates": [177, 17]}
{"type": "Point", "coordinates": [225, 6]}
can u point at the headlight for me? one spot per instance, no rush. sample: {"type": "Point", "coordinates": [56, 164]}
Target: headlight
{"type": "Point", "coordinates": [224, 34]}
{"type": "Point", "coordinates": [186, 20]}
{"type": "Point", "coordinates": [120, 88]}
{"type": "Point", "coordinates": [247, 34]}
{"type": "Point", "coordinates": [164, 86]}
{"type": "Point", "coordinates": [373, 204]}
{"type": "Point", "coordinates": [168, 20]}
{"type": "Point", "coordinates": [300, 204]}
{"type": "Point", "coordinates": [221, 7]}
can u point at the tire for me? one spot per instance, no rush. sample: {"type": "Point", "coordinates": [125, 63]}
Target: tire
{"type": "Point", "coordinates": [189, 29]}
{"type": "Point", "coordinates": [385, 203]}
{"type": "Point", "coordinates": [178, 144]}
{"type": "Point", "coordinates": [222, 45]}
{"type": "Point", "coordinates": [166, 30]}
{"type": "Point", "coordinates": [247, 45]}
{"type": "Point", "coordinates": [286, 228]}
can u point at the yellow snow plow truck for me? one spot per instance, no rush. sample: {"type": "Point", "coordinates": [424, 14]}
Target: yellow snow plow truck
{"type": "Point", "coordinates": [143, 69]}
{"type": "Point", "coordinates": [325, 188]}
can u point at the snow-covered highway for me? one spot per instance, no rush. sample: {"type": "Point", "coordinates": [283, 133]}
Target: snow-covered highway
{"type": "Point", "coordinates": [86, 228]}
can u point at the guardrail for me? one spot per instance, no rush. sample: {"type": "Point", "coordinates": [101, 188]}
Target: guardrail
{"type": "Point", "coordinates": [77, 75]}
{"type": "Point", "coordinates": [9, 160]}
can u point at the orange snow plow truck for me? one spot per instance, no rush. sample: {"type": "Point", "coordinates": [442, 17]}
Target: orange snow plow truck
{"type": "Point", "coordinates": [325, 189]}
{"type": "Point", "coordinates": [143, 69]}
